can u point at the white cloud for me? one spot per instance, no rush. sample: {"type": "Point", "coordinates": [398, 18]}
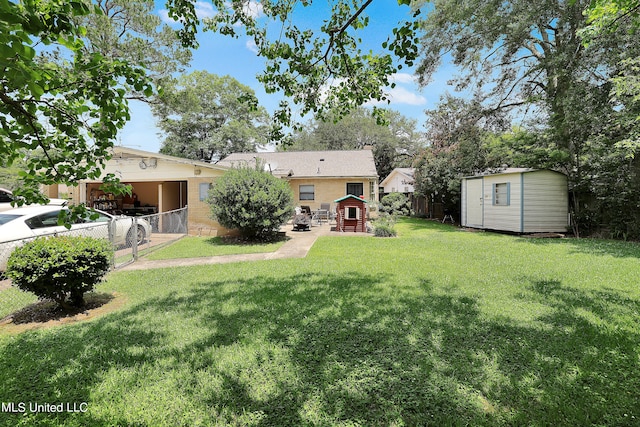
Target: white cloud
{"type": "Point", "coordinates": [401, 95]}
{"type": "Point", "coordinates": [204, 10]}
{"type": "Point", "coordinates": [402, 78]}
{"type": "Point", "coordinates": [253, 9]}
{"type": "Point", "coordinates": [251, 45]}
{"type": "Point", "coordinates": [404, 92]}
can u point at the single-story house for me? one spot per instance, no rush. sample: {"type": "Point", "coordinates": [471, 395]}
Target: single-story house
{"type": "Point", "coordinates": [518, 200]}
{"type": "Point", "coordinates": [317, 177]}
{"type": "Point", "coordinates": [400, 180]}
{"type": "Point", "coordinates": [160, 183]}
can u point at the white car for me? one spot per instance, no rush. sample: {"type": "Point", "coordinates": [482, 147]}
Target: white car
{"type": "Point", "coordinates": [6, 197]}
{"type": "Point", "coordinates": [22, 224]}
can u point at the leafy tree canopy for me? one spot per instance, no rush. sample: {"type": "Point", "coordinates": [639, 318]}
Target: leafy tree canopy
{"type": "Point", "coordinates": [321, 70]}
{"type": "Point", "coordinates": [207, 117]}
{"type": "Point", "coordinates": [131, 30]}
{"type": "Point", "coordinates": [61, 115]}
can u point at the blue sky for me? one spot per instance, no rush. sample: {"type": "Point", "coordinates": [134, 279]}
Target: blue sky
{"type": "Point", "coordinates": [237, 57]}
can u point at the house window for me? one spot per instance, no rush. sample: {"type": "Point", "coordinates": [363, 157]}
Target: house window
{"type": "Point", "coordinates": [501, 194]}
{"type": "Point", "coordinates": [204, 191]}
{"type": "Point", "coordinates": [355, 188]}
{"type": "Point", "coordinates": [307, 192]}
{"type": "Point", "coordinates": [352, 212]}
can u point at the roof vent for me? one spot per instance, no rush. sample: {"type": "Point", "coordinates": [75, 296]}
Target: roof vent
{"type": "Point", "coordinates": [322, 160]}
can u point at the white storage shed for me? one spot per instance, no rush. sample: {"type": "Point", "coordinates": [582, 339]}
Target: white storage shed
{"type": "Point", "coordinates": [518, 200]}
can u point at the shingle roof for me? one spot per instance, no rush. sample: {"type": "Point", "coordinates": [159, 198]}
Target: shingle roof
{"type": "Point", "coordinates": [304, 164]}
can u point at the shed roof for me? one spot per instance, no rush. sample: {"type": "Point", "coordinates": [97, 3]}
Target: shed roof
{"type": "Point", "coordinates": [310, 164]}
{"type": "Point", "coordinates": [506, 171]}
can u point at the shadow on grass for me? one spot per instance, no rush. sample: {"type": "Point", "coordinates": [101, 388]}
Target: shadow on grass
{"type": "Point", "coordinates": [324, 349]}
{"type": "Point", "coordinates": [239, 240]}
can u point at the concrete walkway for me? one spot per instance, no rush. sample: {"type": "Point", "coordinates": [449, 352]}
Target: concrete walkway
{"type": "Point", "coordinates": [297, 246]}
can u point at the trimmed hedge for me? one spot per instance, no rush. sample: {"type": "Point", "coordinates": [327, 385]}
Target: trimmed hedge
{"type": "Point", "coordinates": [60, 268]}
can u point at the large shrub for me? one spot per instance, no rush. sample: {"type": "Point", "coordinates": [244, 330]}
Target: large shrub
{"type": "Point", "coordinates": [252, 201]}
{"type": "Point", "coordinates": [60, 268]}
{"type": "Point", "coordinates": [395, 204]}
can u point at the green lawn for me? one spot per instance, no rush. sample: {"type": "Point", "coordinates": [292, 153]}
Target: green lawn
{"type": "Point", "coordinates": [436, 327]}
{"type": "Point", "coordinates": [194, 247]}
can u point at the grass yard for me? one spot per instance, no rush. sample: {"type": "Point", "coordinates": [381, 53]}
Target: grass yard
{"type": "Point", "coordinates": [194, 247]}
{"type": "Point", "coordinates": [436, 327]}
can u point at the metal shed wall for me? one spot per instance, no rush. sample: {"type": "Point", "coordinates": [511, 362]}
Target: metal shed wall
{"type": "Point", "coordinates": [537, 202]}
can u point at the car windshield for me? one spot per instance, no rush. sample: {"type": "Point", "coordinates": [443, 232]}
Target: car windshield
{"type": "Point", "coordinates": [5, 218]}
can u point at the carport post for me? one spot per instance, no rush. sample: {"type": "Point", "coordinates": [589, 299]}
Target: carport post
{"type": "Point", "coordinates": [112, 238]}
{"type": "Point", "coordinates": [134, 240]}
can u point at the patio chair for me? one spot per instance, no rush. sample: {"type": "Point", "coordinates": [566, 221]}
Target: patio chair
{"type": "Point", "coordinates": [324, 212]}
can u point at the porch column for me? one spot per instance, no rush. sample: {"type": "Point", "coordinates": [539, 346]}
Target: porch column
{"type": "Point", "coordinates": [81, 197]}
{"type": "Point", "coordinates": [160, 208]}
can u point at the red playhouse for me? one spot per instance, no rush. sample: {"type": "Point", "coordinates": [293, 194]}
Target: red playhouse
{"type": "Point", "coordinates": [351, 214]}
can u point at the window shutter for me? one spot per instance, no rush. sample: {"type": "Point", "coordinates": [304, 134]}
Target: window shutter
{"type": "Point", "coordinates": [493, 194]}
{"type": "Point", "coordinates": [508, 194]}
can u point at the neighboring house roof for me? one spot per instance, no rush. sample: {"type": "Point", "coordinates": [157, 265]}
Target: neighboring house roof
{"type": "Point", "coordinates": [407, 172]}
{"type": "Point", "coordinates": [127, 153]}
{"type": "Point", "coordinates": [310, 164]}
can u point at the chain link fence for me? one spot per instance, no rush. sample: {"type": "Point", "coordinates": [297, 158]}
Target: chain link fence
{"type": "Point", "coordinates": [153, 232]}
{"type": "Point", "coordinates": [131, 236]}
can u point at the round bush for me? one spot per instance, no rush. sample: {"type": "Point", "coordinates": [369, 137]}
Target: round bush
{"type": "Point", "coordinates": [252, 201]}
{"type": "Point", "coordinates": [60, 268]}
{"type": "Point", "coordinates": [395, 204]}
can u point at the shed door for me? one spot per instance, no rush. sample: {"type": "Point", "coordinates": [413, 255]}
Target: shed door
{"type": "Point", "coordinates": [475, 202]}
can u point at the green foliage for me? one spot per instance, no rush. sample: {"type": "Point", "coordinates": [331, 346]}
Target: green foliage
{"type": "Point", "coordinates": [608, 16]}
{"type": "Point", "coordinates": [395, 204]}
{"type": "Point", "coordinates": [207, 117]}
{"type": "Point", "coordinates": [60, 268]}
{"type": "Point", "coordinates": [532, 59]}
{"type": "Point", "coordinates": [60, 110]}
{"type": "Point", "coordinates": [302, 62]}
{"type": "Point", "coordinates": [131, 30]}
{"type": "Point", "coordinates": [252, 201]}
{"type": "Point", "coordinates": [384, 226]}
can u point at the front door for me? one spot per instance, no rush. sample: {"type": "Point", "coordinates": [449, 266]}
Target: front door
{"type": "Point", "coordinates": [474, 203]}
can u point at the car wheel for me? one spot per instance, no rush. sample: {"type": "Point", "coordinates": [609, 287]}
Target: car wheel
{"type": "Point", "coordinates": [138, 237]}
